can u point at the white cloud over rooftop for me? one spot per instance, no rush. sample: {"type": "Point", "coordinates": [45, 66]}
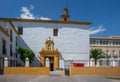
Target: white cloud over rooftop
{"type": "Point", "coordinates": [95, 30]}
{"type": "Point", "coordinates": [27, 14]}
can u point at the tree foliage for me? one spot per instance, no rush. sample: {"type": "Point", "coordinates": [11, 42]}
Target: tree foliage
{"type": "Point", "coordinates": [24, 53]}
{"type": "Point", "coordinates": [97, 54]}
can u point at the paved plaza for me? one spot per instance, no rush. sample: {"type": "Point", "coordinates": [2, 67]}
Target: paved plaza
{"type": "Point", "coordinates": [4, 78]}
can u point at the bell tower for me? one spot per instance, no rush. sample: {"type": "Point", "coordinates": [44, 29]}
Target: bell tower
{"type": "Point", "coordinates": [65, 16]}
{"type": "Point", "coordinates": [49, 44]}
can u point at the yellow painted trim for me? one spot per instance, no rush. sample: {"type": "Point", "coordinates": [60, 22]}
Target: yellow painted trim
{"type": "Point", "coordinates": [4, 31]}
{"type": "Point", "coordinates": [44, 21]}
{"type": "Point", "coordinates": [13, 27]}
{"type": "Point", "coordinates": [11, 24]}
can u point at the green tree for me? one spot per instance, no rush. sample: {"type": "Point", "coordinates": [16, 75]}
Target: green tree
{"type": "Point", "coordinates": [97, 54]}
{"type": "Point", "coordinates": [24, 53]}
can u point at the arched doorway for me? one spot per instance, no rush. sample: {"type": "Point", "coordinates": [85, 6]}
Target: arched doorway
{"type": "Point", "coordinates": [51, 54]}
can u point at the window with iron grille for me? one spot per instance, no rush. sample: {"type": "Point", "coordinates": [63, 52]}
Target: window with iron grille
{"type": "Point", "coordinates": [11, 38]}
{"type": "Point", "coordinates": [20, 30]}
{"type": "Point", "coordinates": [3, 46]}
{"type": "Point", "coordinates": [11, 53]}
{"type": "Point", "coordinates": [16, 54]}
{"type": "Point", "coordinates": [16, 42]}
{"type": "Point", "coordinates": [55, 31]}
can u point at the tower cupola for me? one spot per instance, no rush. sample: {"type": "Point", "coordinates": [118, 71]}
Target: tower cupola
{"type": "Point", "coordinates": [65, 16]}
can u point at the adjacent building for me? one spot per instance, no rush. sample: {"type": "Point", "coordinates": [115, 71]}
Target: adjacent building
{"type": "Point", "coordinates": [8, 43]}
{"type": "Point", "coordinates": [109, 45]}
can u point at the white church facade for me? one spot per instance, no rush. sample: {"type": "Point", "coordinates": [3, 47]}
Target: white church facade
{"type": "Point", "coordinates": [54, 41]}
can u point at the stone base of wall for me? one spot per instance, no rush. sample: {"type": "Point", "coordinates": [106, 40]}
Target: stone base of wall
{"type": "Point", "coordinates": [26, 71]}
{"type": "Point", "coordinates": [95, 71]}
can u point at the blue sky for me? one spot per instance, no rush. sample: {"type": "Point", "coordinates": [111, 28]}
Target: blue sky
{"type": "Point", "coordinates": [104, 14]}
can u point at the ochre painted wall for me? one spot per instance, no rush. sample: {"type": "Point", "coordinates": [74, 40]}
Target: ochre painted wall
{"type": "Point", "coordinates": [26, 71]}
{"type": "Point", "coordinates": [95, 71]}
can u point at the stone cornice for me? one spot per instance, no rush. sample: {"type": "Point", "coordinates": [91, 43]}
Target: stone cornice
{"type": "Point", "coordinates": [102, 38]}
{"type": "Point", "coordinates": [44, 21]}
{"type": "Point", "coordinates": [109, 46]}
{"type": "Point", "coordinates": [48, 52]}
{"type": "Point", "coordinates": [12, 26]}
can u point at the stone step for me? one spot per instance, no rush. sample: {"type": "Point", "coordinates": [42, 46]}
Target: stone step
{"type": "Point", "coordinates": [57, 73]}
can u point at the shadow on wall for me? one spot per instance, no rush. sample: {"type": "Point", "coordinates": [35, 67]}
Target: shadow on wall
{"type": "Point", "coordinates": [22, 43]}
{"type": "Point", "coordinates": [61, 58]}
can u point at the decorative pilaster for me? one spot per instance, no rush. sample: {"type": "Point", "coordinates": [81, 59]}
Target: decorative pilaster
{"type": "Point", "coordinates": [113, 63]}
{"type": "Point", "coordinates": [92, 62]}
{"type": "Point", "coordinates": [5, 62]}
{"type": "Point", "coordinates": [56, 62]}
{"type": "Point", "coordinates": [42, 61]}
{"type": "Point", "coordinates": [27, 62]}
{"type": "Point", "coordinates": [47, 63]}
{"type": "Point", "coordinates": [98, 63]}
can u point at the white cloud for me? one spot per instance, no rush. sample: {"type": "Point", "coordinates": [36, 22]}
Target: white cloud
{"type": "Point", "coordinates": [95, 30]}
{"type": "Point", "coordinates": [44, 18]}
{"type": "Point", "coordinates": [26, 14]}
{"type": "Point", "coordinates": [31, 7]}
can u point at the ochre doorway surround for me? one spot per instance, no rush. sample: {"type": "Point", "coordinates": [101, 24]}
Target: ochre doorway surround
{"type": "Point", "coordinates": [49, 51]}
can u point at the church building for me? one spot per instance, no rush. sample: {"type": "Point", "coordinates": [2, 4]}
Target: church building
{"type": "Point", "coordinates": [53, 41]}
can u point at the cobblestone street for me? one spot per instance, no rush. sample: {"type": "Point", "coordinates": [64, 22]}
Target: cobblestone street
{"type": "Point", "coordinates": [4, 78]}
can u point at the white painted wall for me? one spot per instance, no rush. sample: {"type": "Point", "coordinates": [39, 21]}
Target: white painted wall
{"type": "Point", "coordinates": [72, 40]}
